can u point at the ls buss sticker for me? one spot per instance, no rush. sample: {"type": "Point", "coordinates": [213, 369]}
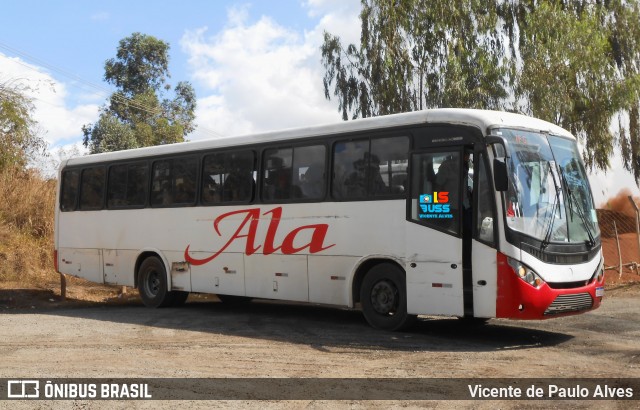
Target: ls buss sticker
{"type": "Point", "coordinates": [435, 206]}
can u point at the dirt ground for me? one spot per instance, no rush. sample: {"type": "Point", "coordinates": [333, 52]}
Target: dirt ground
{"type": "Point", "coordinates": [628, 253]}
{"type": "Point", "coordinates": [97, 332]}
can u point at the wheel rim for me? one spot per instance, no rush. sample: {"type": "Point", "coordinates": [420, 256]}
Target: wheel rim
{"type": "Point", "coordinates": [152, 284]}
{"type": "Point", "coordinates": [384, 298]}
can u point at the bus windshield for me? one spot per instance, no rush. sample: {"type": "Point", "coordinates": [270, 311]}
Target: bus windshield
{"type": "Point", "coordinates": [549, 196]}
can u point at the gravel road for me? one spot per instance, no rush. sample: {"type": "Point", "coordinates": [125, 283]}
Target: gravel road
{"type": "Point", "coordinates": [206, 339]}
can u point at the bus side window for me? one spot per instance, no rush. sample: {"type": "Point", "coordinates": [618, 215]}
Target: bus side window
{"type": "Point", "coordinates": [228, 177]}
{"type": "Point", "coordinates": [92, 188]}
{"type": "Point", "coordinates": [309, 171]}
{"type": "Point", "coordinates": [294, 173]}
{"type": "Point", "coordinates": [137, 184]}
{"type": "Point", "coordinates": [388, 167]}
{"type": "Point", "coordinates": [117, 186]}
{"type": "Point", "coordinates": [370, 168]}
{"type": "Point", "coordinates": [484, 220]}
{"type": "Point", "coordinates": [350, 160]}
{"type": "Point", "coordinates": [239, 183]}
{"type": "Point", "coordinates": [185, 172]}
{"type": "Point", "coordinates": [127, 185]}
{"type": "Point", "coordinates": [69, 190]}
{"type": "Point", "coordinates": [161, 193]}
{"type": "Point", "coordinates": [276, 182]}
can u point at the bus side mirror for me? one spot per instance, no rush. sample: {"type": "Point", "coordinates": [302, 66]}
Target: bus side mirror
{"type": "Point", "coordinates": [500, 175]}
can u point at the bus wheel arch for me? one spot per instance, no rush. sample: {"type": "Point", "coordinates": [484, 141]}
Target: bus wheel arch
{"type": "Point", "coordinates": [152, 280]}
{"type": "Point", "coordinates": [380, 287]}
{"type": "Point", "coordinates": [141, 258]}
{"type": "Point", "coordinates": [361, 271]}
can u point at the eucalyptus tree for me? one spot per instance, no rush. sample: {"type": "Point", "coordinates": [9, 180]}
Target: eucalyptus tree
{"type": "Point", "coordinates": [572, 62]}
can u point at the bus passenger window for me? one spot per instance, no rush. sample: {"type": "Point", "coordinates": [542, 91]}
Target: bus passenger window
{"type": "Point", "coordinates": [137, 181]}
{"type": "Point", "coordinates": [308, 171]}
{"type": "Point", "coordinates": [174, 182]}
{"type": "Point", "coordinates": [117, 186]}
{"type": "Point", "coordinates": [92, 188]}
{"type": "Point", "coordinates": [69, 190]}
{"type": "Point", "coordinates": [277, 174]}
{"type": "Point", "coordinates": [228, 177]}
{"type": "Point", "coordinates": [370, 168]}
{"type": "Point", "coordinates": [184, 180]}
{"type": "Point", "coordinates": [161, 192]}
{"type": "Point", "coordinates": [350, 160]}
{"type": "Point", "coordinates": [389, 170]}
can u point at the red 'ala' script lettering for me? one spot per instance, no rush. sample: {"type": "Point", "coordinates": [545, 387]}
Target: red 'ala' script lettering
{"type": "Point", "coordinates": [248, 228]}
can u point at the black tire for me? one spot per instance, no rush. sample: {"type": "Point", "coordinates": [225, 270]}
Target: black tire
{"type": "Point", "coordinates": [234, 300]}
{"type": "Point", "coordinates": [152, 283]}
{"type": "Point", "coordinates": [179, 297]}
{"type": "Point", "coordinates": [383, 296]}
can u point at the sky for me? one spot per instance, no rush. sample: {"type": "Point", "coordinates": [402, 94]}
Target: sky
{"type": "Point", "coordinates": [255, 66]}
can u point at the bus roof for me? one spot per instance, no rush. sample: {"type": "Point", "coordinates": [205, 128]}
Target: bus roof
{"type": "Point", "coordinates": [482, 119]}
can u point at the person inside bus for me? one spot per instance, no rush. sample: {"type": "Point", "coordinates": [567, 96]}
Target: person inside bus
{"type": "Point", "coordinates": [167, 195]}
{"type": "Point", "coordinates": [238, 186]}
{"type": "Point", "coordinates": [312, 184]}
{"type": "Point", "coordinates": [366, 168]}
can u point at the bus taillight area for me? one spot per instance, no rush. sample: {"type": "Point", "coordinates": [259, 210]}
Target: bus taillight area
{"type": "Point", "coordinates": [523, 297]}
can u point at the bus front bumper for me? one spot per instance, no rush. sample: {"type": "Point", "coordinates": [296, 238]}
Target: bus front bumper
{"type": "Point", "coordinates": [521, 301]}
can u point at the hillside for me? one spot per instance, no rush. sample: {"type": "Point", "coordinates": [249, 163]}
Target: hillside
{"type": "Point", "coordinates": [26, 228]}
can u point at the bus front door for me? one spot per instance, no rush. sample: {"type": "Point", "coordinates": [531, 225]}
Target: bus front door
{"type": "Point", "coordinates": [433, 235]}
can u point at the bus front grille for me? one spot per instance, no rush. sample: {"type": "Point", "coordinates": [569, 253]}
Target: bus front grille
{"type": "Point", "coordinates": [570, 303]}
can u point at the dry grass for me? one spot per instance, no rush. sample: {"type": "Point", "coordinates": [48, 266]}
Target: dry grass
{"type": "Point", "coordinates": [26, 228]}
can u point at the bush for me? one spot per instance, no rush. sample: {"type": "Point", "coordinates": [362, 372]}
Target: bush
{"type": "Point", "coordinates": [26, 226]}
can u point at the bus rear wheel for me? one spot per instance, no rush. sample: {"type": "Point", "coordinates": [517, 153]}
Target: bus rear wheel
{"type": "Point", "coordinates": [383, 296]}
{"type": "Point", "coordinates": [152, 283]}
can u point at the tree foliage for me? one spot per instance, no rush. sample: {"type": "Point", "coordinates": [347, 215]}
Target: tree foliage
{"type": "Point", "coordinates": [20, 140]}
{"type": "Point", "coordinates": [138, 114]}
{"type": "Point", "coordinates": [572, 62]}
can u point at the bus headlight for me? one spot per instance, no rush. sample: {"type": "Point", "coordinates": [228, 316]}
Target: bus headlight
{"type": "Point", "coordinates": [526, 273]}
{"type": "Point", "coordinates": [599, 273]}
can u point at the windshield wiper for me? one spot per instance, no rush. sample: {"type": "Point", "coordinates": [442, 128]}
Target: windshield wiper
{"type": "Point", "coordinates": [556, 201]}
{"type": "Point", "coordinates": [571, 199]}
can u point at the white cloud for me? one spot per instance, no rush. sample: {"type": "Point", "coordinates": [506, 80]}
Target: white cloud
{"type": "Point", "coordinates": [338, 17]}
{"type": "Point", "coordinates": [58, 121]}
{"type": "Point", "coordinates": [262, 76]}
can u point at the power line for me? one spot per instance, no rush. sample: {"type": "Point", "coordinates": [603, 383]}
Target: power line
{"type": "Point", "coordinates": [102, 90]}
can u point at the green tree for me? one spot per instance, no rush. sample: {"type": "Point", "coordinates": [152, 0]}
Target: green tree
{"type": "Point", "coordinates": [138, 114]}
{"type": "Point", "coordinates": [20, 140]}
{"type": "Point", "coordinates": [416, 54]}
{"type": "Point", "coordinates": [572, 62]}
{"type": "Point", "coordinates": [579, 65]}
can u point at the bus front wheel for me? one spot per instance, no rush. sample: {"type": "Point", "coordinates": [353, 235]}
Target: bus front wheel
{"type": "Point", "coordinates": [383, 296]}
{"type": "Point", "coordinates": [152, 283]}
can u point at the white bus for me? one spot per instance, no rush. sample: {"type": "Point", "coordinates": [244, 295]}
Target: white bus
{"type": "Point", "coordinates": [456, 212]}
